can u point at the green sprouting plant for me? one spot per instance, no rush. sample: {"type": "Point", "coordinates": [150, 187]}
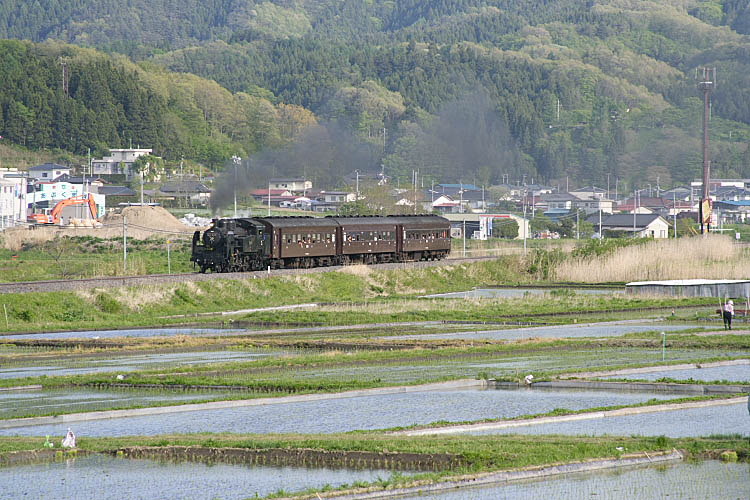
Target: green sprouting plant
{"type": "Point", "coordinates": [106, 304]}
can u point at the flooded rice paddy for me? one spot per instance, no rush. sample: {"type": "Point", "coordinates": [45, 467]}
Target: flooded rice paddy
{"type": "Point", "coordinates": [505, 293]}
{"type": "Point", "coordinates": [135, 332]}
{"type": "Point", "coordinates": [15, 404]}
{"type": "Point", "coordinates": [707, 480]}
{"type": "Point", "coordinates": [107, 477]}
{"type": "Point", "coordinates": [377, 411]}
{"type": "Point", "coordinates": [84, 365]}
{"type": "Point", "coordinates": [612, 329]}
{"type": "Point", "coordinates": [729, 373]}
{"type": "Point", "coordinates": [693, 422]}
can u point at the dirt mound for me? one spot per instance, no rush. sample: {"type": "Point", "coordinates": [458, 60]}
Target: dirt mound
{"type": "Point", "coordinates": [146, 217]}
{"type": "Point", "coordinates": [143, 222]}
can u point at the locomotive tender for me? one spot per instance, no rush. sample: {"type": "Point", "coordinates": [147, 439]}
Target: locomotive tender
{"type": "Point", "coordinates": [252, 244]}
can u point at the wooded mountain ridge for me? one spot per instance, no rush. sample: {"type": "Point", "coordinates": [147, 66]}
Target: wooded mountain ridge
{"type": "Point", "coordinates": [472, 90]}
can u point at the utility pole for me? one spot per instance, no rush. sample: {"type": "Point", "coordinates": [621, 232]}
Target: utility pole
{"type": "Point", "coordinates": [83, 186]}
{"type": "Point", "coordinates": [607, 186]}
{"type": "Point", "coordinates": [464, 235]}
{"type": "Point", "coordinates": [524, 223]}
{"type": "Point", "coordinates": [600, 222]}
{"type": "Point", "coordinates": [416, 181]}
{"type": "Point", "coordinates": [674, 208]}
{"type": "Point", "coordinates": [578, 227]}
{"type": "Point", "coordinates": [634, 211]}
{"type": "Point", "coordinates": [235, 160]}
{"type": "Point", "coordinates": [63, 61]}
{"type": "Point", "coordinates": [706, 85]}
{"type": "Point", "coordinates": [124, 244]}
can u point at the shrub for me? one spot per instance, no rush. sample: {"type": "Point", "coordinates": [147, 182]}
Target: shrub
{"type": "Point", "coordinates": [107, 304]}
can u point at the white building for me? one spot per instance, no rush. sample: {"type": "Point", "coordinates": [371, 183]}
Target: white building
{"type": "Point", "coordinates": [12, 197]}
{"type": "Point", "coordinates": [337, 196]}
{"type": "Point", "coordinates": [48, 171]}
{"type": "Point", "coordinates": [486, 222]}
{"type": "Point", "coordinates": [119, 161]}
{"type": "Point", "coordinates": [643, 225]}
{"type": "Point", "coordinates": [295, 185]}
{"type": "Point", "coordinates": [45, 195]}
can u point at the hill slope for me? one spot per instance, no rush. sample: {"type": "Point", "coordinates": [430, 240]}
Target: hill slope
{"type": "Point", "coordinates": [592, 90]}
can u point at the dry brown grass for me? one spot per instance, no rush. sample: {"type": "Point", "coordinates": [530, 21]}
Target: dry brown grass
{"type": "Point", "coordinates": [495, 247]}
{"type": "Point", "coordinates": [714, 257]}
{"type": "Point", "coordinates": [360, 270]}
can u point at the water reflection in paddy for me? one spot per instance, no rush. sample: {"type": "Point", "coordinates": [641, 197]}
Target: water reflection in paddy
{"type": "Point", "coordinates": [729, 373]}
{"type": "Point", "coordinates": [558, 331]}
{"type": "Point", "coordinates": [128, 363]}
{"type": "Point", "coordinates": [106, 477]}
{"type": "Point", "coordinates": [681, 481]}
{"type": "Point", "coordinates": [135, 332]}
{"type": "Point", "coordinates": [503, 293]}
{"type": "Point", "coordinates": [346, 414]}
{"type": "Point", "coordinates": [51, 401]}
{"type": "Point", "coordinates": [693, 422]}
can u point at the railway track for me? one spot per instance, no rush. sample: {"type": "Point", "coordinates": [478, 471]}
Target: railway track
{"type": "Point", "coordinates": [124, 281]}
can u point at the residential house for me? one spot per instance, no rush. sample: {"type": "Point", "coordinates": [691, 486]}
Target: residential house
{"type": "Point", "coordinates": [48, 171]}
{"type": "Point", "coordinates": [294, 185]}
{"type": "Point", "coordinates": [117, 194]}
{"type": "Point", "coordinates": [644, 205]}
{"type": "Point", "coordinates": [91, 182]}
{"type": "Point", "coordinates": [594, 203]}
{"type": "Point", "coordinates": [589, 192]}
{"type": "Point", "coordinates": [192, 192]}
{"type": "Point", "coordinates": [119, 161]}
{"type": "Point", "coordinates": [643, 225]}
{"type": "Point", "coordinates": [336, 197]}
{"type": "Point", "coordinates": [12, 197]}
{"type": "Point", "coordinates": [677, 193]}
{"type": "Point", "coordinates": [732, 211]}
{"type": "Point", "coordinates": [445, 204]}
{"type": "Point", "coordinates": [559, 204]}
{"type": "Point", "coordinates": [277, 196]}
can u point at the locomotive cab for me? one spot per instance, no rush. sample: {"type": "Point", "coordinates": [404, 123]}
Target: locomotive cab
{"type": "Point", "coordinates": [229, 245]}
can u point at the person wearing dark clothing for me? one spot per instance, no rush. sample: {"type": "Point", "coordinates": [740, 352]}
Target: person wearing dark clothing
{"type": "Point", "coordinates": [727, 313]}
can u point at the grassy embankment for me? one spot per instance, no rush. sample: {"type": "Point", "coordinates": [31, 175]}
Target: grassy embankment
{"type": "Point", "coordinates": [87, 257]}
{"type": "Point", "coordinates": [478, 454]}
{"type": "Point", "coordinates": [337, 371]}
{"type": "Point", "coordinates": [153, 305]}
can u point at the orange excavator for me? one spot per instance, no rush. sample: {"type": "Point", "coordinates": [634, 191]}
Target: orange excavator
{"type": "Point", "coordinates": [54, 216]}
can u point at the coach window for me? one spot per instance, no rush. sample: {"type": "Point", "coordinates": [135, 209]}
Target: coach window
{"type": "Point", "coordinates": [317, 238]}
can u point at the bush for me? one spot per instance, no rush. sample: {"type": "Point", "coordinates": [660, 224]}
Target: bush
{"type": "Point", "coordinates": [107, 304]}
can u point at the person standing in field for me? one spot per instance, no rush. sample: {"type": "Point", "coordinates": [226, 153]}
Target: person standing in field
{"type": "Point", "coordinates": [727, 315]}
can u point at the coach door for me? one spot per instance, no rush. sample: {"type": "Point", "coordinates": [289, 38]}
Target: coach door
{"type": "Point", "coordinates": [399, 238]}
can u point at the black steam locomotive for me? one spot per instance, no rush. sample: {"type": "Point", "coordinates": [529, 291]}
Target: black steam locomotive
{"type": "Point", "coordinates": [252, 244]}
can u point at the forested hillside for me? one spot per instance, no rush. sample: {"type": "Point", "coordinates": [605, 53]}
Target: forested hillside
{"type": "Point", "coordinates": [111, 102]}
{"type": "Point", "coordinates": [469, 90]}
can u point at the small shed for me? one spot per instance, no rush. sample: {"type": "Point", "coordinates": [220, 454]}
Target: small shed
{"type": "Point", "coordinates": [692, 288]}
